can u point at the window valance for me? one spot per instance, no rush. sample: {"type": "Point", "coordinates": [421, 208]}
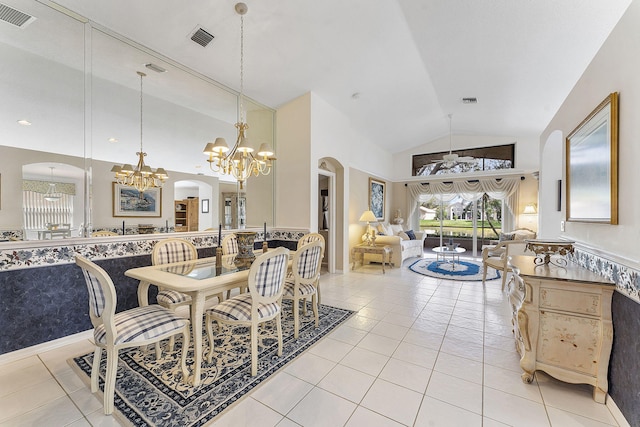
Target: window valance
{"type": "Point", "coordinates": [497, 188]}
{"type": "Point", "coordinates": [43, 186]}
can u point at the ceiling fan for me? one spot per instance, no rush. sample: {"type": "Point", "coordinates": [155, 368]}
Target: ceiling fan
{"type": "Point", "coordinates": [451, 159]}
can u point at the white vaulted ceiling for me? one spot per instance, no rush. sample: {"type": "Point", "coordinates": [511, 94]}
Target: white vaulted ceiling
{"type": "Point", "coordinates": [410, 61]}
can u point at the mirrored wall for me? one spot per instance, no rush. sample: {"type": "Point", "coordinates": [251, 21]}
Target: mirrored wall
{"type": "Point", "coordinates": [72, 102]}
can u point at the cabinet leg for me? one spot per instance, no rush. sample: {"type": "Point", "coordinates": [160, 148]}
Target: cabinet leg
{"type": "Point", "coordinates": [527, 378]}
{"type": "Point", "coordinates": [599, 395]}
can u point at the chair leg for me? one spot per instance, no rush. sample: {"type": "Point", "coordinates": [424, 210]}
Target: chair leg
{"type": "Point", "coordinates": [314, 306]}
{"type": "Point", "coordinates": [484, 273]}
{"type": "Point", "coordinates": [304, 307]}
{"type": "Point", "coordinates": [185, 349]}
{"type": "Point", "coordinates": [296, 317]}
{"type": "Point", "coordinates": [254, 348]}
{"type": "Point", "coordinates": [504, 279]}
{"type": "Point", "coordinates": [318, 289]}
{"type": "Point", "coordinates": [95, 369]}
{"type": "Point", "coordinates": [159, 350]}
{"type": "Point", "coordinates": [110, 380]}
{"type": "Point", "coordinates": [209, 324]}
{"type": "Point", "coordinates": [279, 330]}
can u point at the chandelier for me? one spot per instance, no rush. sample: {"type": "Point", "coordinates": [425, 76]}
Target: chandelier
{"type": "Point", "coordinates": [239, 161]}
{"type": "Point", "coordinates": [52, 195]}
{"type": "Point", "coordinates": [142, 177]}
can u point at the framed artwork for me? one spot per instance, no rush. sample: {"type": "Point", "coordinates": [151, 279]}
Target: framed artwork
{"type": "Point", "coordinates": [129, 202]}
{"type": "Point", "coordinates": [592, 166]}
{"type": "Point", "coordinates": [376, 198]}
{"type": "Point", "coordinates": [205, 205]}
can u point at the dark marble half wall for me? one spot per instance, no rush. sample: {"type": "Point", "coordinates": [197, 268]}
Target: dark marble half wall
{"type": "Point", "coordinates": [624, 366]}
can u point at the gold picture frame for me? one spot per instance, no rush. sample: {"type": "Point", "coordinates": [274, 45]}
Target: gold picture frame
{"type": "Point", "coordinates": [377, 198]}
{"type": "Point", "coordinates": [128, 202]}
{"type": "Point", "coordinates": [592, 166]}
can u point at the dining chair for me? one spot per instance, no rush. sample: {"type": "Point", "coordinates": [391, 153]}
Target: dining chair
{"type": "Point", "coordinates": [168, 251]}
{"type": "Point", "coordinates": [306, 274]}
{"type": "Point", "coordinates": [103, 233]}
{"type": "Point", "coordinates": [130, 328]}
{"type": "Point", "coordinates": [307, 238]}
{"type": "Point", "coordinates": [262, 303]}
{"type": "Point", "coordinates": [229, 246]}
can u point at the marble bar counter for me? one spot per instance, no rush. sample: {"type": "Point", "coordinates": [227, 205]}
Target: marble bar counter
{"type": "Point", "coordinates": [43, 295]}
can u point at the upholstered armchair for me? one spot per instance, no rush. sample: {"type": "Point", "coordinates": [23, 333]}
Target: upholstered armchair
{"type": "Point", "coordinates": [497, 255]}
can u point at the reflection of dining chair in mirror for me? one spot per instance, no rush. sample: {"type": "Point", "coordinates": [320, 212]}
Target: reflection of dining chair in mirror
{"type": "Point", "coordinates": [136, 327]}
{"type": "Point", "coordinates": [103, 233]}
{"type": "Point", "coordinates": [262, 303]}
{"type": "Point", "coordinates": [306, 273]}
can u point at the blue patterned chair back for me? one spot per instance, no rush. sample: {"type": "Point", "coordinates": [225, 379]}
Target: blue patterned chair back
{"type": "Point", "coordinates": [308, 259]}
{"type": "Point", "coordinates": [173, 250]}
{"type": "Point", "coordinates": [267, 274]}
{"type": "Point", "coordinates": [229, 244]}
{"type": "Point", "coordinates": [102, 293]}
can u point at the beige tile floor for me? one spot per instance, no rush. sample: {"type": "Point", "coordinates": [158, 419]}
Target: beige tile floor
{"type": "Point", "coordinates": [419, 352]}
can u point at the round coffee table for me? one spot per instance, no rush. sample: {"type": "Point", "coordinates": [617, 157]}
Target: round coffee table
{"type": "Point", "coordinates": [442, 252]}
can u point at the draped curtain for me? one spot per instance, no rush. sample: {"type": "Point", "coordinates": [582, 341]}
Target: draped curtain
{"type": "Point", "coordinates": [497, 188]}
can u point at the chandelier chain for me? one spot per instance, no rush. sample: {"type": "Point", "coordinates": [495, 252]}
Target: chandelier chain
{"type": "Point", "coordinates": [242, 68]}
{"type": "Point", "coordinates": [141, 76]}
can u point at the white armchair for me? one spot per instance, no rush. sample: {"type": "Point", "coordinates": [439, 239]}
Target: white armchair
{"type": "Point", "coordinates": [497, 256]}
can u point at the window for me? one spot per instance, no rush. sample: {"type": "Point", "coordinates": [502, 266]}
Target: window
{"type": "Point", "coordinates": [485, 158]}
{"type": "Point", "coordinates": [39, 212]}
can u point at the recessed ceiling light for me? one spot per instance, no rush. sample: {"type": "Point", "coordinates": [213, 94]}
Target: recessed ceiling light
{"type": "Point", "coordinates": [198, 166]}
{"type": "Point", "coordinates": [470, 100]}
{"type": "Point", "coordinates": [24, 122]}
{"type": "Point", "coordinates": [112, 139]}
{"type": "Point", "coordinates": [355, 95]}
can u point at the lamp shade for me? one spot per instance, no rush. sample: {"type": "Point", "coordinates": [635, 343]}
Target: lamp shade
{"type": "Point", "coordinates": [530, 209]}
{"type": "Point", "coordinates": [368, 216]}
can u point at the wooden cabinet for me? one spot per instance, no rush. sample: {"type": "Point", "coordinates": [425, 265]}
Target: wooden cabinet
{"type": "Point", "coordinates": [235, 210]}
{"type": "Point", "coordinates": [562, 322]}
{"type": "Point", "coordinates": [187, 212]}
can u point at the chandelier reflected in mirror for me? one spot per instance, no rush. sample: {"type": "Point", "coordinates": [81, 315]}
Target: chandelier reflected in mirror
{"type": "Point", "coordinates": [240, 161]}
{"type": "Point", "coordinates": [142, 177]}
{"type": "Point", "coordinates": [52, 195]}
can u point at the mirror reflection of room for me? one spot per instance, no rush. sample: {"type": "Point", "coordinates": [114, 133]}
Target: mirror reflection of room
{"type": "Point", "coordinates": [74, 102]}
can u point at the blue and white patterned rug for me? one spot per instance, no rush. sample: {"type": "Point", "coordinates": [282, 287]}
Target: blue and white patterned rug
{"type": "Point", "coordinates": [465, 269]}
{"type": "Point", "coordinates": [150, 392]}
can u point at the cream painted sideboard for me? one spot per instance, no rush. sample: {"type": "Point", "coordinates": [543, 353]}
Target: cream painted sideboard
{"type": "Point", "coordinates": [562, 322]}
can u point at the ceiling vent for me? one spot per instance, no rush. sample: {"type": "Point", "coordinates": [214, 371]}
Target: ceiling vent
{"type": "Point", "coordinates": [201, 36]}
{"type": "Point", "coordinates": [154, 67]}
{"type": "Point", "coordinates": [471, 100]}
{"type": "Point", "coordinates": [15, 17]}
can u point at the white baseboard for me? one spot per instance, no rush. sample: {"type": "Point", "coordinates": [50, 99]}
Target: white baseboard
{"type": "Point", "coordinates": [46, 346]}
{"type": "Point", "coordinates": [617, 414]}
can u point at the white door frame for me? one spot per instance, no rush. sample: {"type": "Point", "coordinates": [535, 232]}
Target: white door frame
{"type": "Point", "coordinates": [331, 245]}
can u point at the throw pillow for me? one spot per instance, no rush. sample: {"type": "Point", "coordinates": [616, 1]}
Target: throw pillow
{"type": "Point", "coordinates": [403, 235]}
{"type": "Point", "coordinates": [385, 229]}
{"type": "Point", "coordinates": [506, 236]}
{"type": "Point", "coordinates": [411, 234]}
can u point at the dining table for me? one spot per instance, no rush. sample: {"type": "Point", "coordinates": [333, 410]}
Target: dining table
{"type": "Point", "coordinates": [199, 279]}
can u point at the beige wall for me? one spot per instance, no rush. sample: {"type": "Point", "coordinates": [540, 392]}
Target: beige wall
{"type": "Point", "coordinates": [613, 69]}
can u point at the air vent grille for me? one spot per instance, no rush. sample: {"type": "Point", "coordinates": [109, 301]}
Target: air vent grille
{"type": "Point", "coordinates": [470, 100]}
{"type": "Point", "coordinates": [14, 17]}
{"type": "Point", "coordinates": [202, 37]}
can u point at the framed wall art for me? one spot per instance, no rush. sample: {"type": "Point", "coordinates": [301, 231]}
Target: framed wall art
{"type": "Point", "coordinates": [129, 202]}
{"type": "Point", "coordinates": [592, 166]}
{"type": "Point", "coordinates": [376, 198]}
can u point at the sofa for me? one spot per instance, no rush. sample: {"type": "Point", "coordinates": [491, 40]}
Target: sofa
{"type": "Point", "coordinates": [401, 244]}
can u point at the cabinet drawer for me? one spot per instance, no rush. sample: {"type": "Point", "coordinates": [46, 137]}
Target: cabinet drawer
{"type": "Point", "coordinates": [572, 301]}
{"type": "Point", "coordinates": [570, 342]}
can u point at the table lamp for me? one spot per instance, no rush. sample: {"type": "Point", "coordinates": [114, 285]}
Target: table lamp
{"type": "Point", "coordinates": [370, 235]}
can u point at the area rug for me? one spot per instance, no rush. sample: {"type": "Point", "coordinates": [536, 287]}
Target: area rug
{"type": "Point", "coordinates": [150, 392]}
{"type": "Point", "coordinates": [465, 270]}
